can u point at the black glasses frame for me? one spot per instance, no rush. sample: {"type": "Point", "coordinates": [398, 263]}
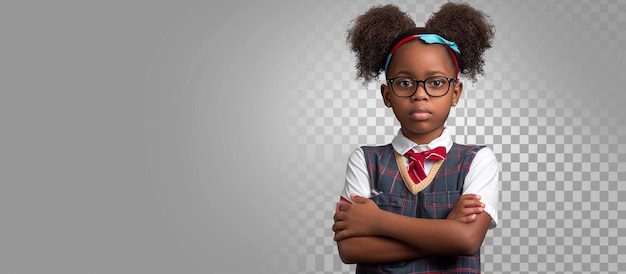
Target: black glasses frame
{"type": "Point", "coordinates": [417, 84]}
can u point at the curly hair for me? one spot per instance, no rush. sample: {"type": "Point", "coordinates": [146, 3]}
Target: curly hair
{"type": "Point", "coordinates": [371, 37]}
{"type": "Point", "coordinates": [374, 33]}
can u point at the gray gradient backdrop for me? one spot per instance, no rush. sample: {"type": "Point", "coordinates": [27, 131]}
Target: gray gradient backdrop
{"type": "Point", "coordinates": [211, 137]}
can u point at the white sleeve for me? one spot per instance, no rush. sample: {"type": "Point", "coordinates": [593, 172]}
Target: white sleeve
{"type": "Point", "coordinates": [483, 179]}
{"type": "Point", "coordinates": [357, 176]}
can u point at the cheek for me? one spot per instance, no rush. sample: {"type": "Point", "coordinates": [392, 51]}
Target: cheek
{"type": "Point", "coordinates": [451, 98]}
{"type": "Point", "coordinates": [444, 105]}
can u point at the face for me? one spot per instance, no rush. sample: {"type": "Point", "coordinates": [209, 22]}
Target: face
{"type": "Point", "coordinates": [422, 117]}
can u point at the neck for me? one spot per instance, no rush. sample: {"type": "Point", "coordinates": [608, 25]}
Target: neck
{"type": "Point", "coordinates": [422, 138]}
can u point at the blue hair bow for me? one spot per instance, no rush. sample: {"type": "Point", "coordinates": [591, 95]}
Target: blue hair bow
{"type": "Point", "coordinates": [436, 39]}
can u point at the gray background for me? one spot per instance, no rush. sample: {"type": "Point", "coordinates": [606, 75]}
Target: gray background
{"type": "Point", "coordinates": [197, 137]}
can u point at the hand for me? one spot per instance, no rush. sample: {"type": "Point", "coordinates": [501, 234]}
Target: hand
{"type": "Point", "coordinates": [466, 209]}
{"type": "Point", "coordinates": [359, 219]}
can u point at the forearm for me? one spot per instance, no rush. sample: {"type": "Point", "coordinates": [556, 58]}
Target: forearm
{"type": "Point", "coordinates": [436, 237]}
{"type": "Point", "coordinates": [376, 250]}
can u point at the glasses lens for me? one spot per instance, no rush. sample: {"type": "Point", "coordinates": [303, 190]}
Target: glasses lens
{"type": "Point", "coordinates": [437, 86]}
{"type": "Point", "coordinates": [404, 86]}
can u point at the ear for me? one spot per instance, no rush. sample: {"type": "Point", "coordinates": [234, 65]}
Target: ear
{"type": "Point", "coordinates": [384, 92]}
{"type": "Point", "coordinates": [456, 92]}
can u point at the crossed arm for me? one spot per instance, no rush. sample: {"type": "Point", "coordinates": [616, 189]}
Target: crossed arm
{"type": "Point", "coordinates": [367, 234]}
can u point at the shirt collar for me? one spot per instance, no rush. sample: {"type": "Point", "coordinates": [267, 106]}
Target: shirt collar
{"type": "Point", "coordinates": [402, 144]}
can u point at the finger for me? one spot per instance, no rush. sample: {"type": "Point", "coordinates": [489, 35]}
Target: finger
{"type": "Point", "coordinates": [338, 226]}
{"type": "Point", "coordinates": [470, 197]}
{"type": "Point", "coordinates": [344, 206]}
{"type": "Point", "coordinates": [470, 203]}
{"type": "Point", "coordinates": [465, 202]}
{"type": "Point", "coordinates": [340, 235]}
{"type": "Point", "coordinates": [467, 219]}
{"type": "Point", "coordinates": [339, 216]}
{"type": "Point", "coordinates": [336, 233]}
{"type": "Point", "coordinates": [358, 199]}
{"type": "Point", "coordinates": [470, 210]}
{"type": "Point", "coordinates": [465, 212]}
{"type": "Point", "coordinates": [474, 203]}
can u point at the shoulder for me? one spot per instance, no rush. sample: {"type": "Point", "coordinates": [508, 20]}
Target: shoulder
{"type": "Point", "coordinates": [377, 150]}
{"type": "Point", "coordinates": [485, 154]}
{"type": "Point", "coordinates": [484, 162]}
{"type": "Point", "coordinates": [479, 151]}
{"type": "Point", "coordinates": [467, 148]}
{"type": "Point", "coordinates": [377, 147]}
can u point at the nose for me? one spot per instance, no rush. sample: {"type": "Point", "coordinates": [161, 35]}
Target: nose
{"type": "Point", "coordinates": [420, 93]}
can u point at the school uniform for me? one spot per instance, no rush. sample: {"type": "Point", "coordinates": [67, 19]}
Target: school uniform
{"type": "Point", "coordinates": [376, 172]}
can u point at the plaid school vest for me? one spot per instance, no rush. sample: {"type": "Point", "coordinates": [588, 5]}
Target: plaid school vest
{"type": "Point", "coordinates": [434, 202]}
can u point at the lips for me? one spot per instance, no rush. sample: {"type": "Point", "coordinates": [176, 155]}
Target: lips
{"type": "Point", "coordinates": [420, 113]}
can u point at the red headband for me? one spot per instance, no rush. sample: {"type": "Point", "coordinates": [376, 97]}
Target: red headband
{"type": "Point", "coordinates": [453, 49]}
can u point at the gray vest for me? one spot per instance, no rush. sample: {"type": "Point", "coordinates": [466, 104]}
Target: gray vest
{"type": "Point", "coordinates": [434, 202]}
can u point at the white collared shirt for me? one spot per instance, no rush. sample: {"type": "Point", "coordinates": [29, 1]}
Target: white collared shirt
{"type": "Point", "coordinates": [482, 178]}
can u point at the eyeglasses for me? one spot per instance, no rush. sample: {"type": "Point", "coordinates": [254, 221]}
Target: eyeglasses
{"type": "Point", "coordinates": [435, 86]}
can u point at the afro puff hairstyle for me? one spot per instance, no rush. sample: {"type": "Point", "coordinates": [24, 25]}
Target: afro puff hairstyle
{"type": "Point", "coordinates": [372, 35]}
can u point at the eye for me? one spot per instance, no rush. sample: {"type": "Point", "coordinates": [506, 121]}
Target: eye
{"type": "Point", "coordinates": [404, 82]}
{"type": "Point", "coordinates": [437, 82]}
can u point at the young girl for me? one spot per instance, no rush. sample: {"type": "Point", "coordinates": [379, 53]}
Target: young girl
{"type": "Point", "coordinates": [431, 201]}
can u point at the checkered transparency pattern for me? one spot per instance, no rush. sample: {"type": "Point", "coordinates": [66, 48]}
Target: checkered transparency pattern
{"type": "Point", "coordinates": [549, 107]}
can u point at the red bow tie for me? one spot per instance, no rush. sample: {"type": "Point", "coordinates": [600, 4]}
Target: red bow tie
{"type": "Point", "coordinates": [416, 161]}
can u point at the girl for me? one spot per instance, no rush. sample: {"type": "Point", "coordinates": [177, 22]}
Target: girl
{"type": "Point", "coordinates": [431, 201]}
